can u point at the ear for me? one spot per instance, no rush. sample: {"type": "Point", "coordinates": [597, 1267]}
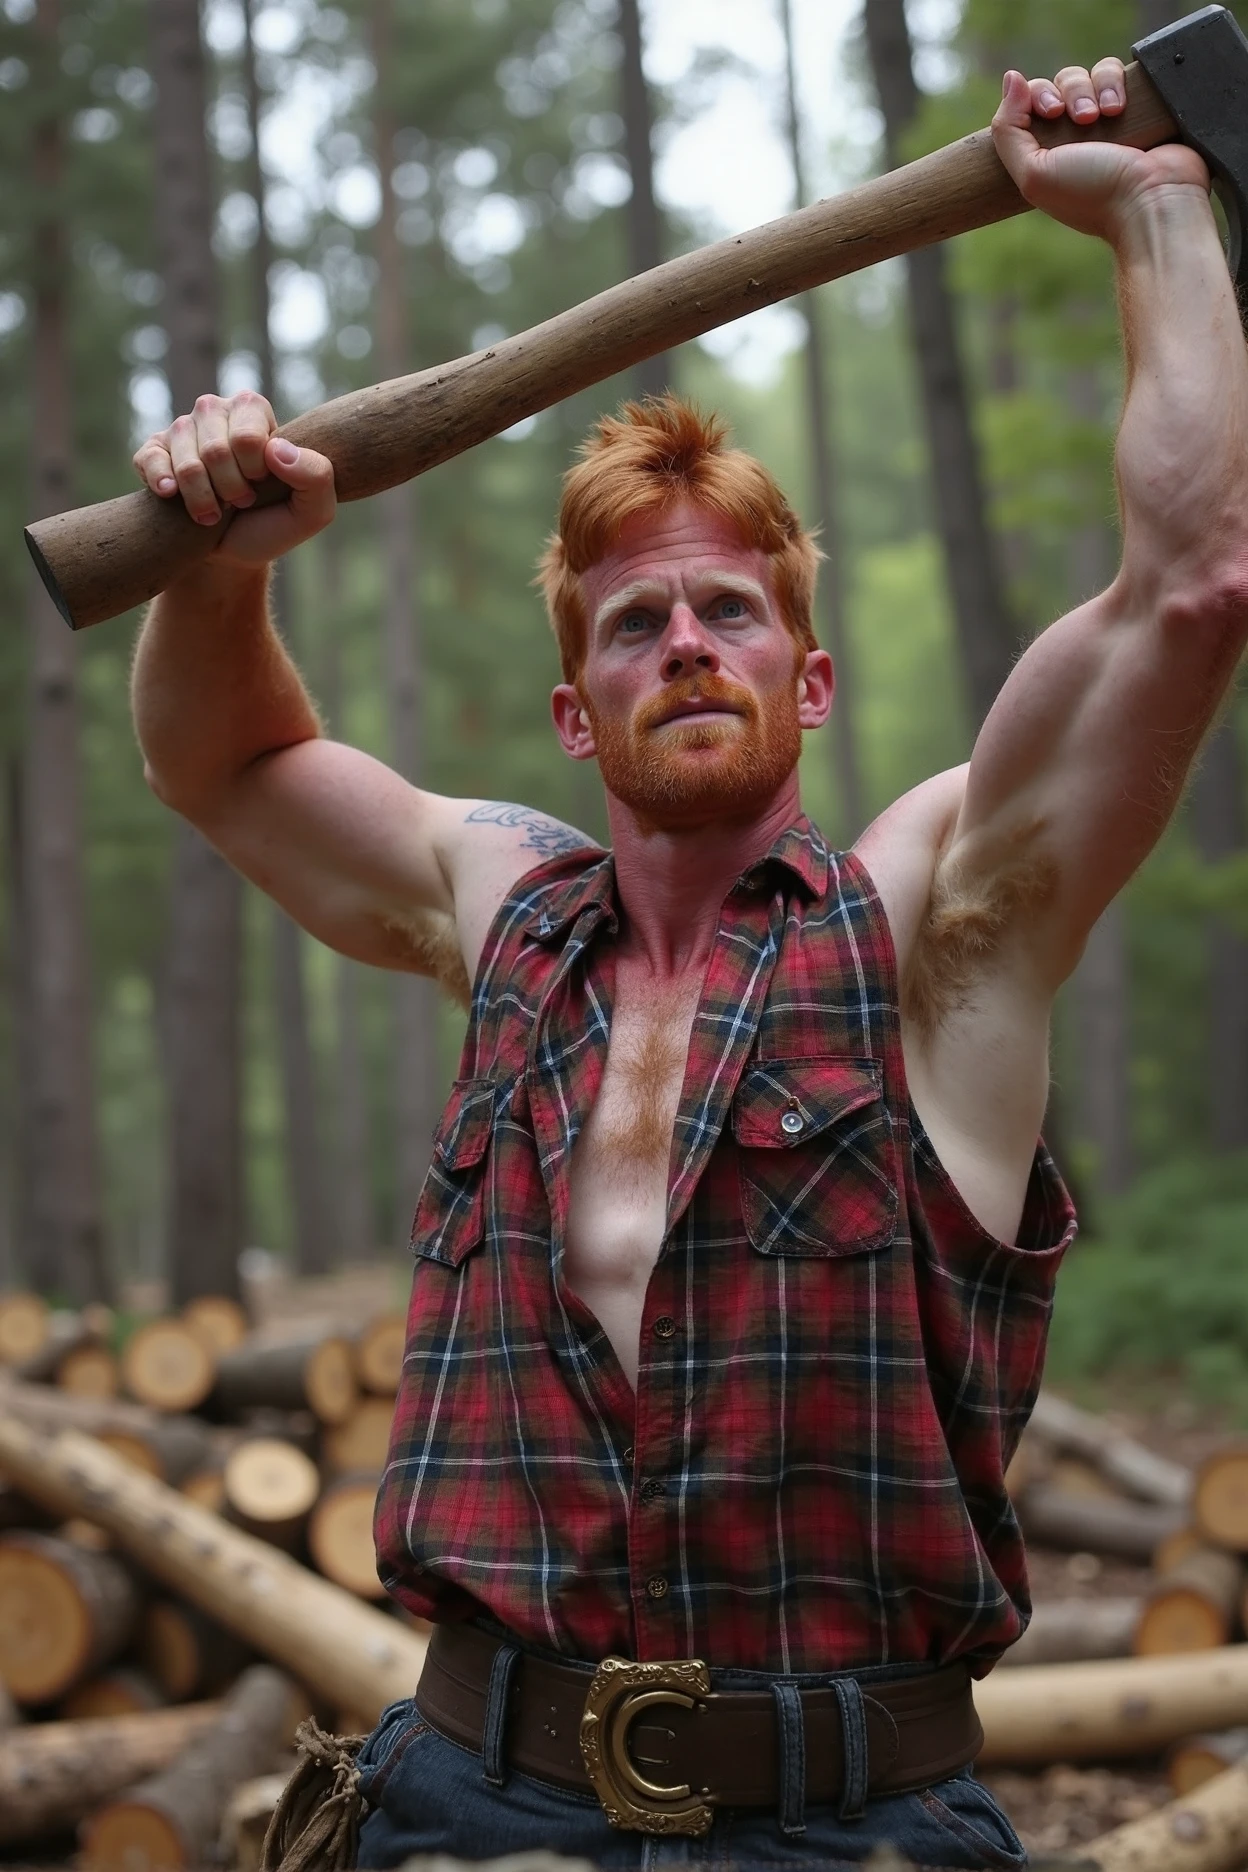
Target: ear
{"type": "Point", "coordinates": [572, 723]}
{"type": "Point", "coordinates": [815, 688]}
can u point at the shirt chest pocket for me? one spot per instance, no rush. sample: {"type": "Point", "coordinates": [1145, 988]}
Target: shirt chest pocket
{"type": "Point", "coordinates": [815, 1157]}
{"type": "Point", "coordinates": [450, 1215]}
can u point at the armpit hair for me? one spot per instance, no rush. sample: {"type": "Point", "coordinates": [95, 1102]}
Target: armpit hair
{"type": "Point", "coordinates": [428, 942]}
{"type": "Point", "coordinates": [967, 918]}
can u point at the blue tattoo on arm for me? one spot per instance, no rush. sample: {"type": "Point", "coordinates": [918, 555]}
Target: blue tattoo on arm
{"type": "Point", "coordinates": [549, 836]}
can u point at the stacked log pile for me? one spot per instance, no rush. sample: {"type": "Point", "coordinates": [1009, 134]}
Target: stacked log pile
{"type": "Point", "coordinates": [160, 1520]}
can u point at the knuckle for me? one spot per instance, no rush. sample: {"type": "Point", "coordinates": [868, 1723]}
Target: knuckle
{"type": "Point", "coordinates": [216, 453]}
{"type": "Point", "coordinates": [208, 403]}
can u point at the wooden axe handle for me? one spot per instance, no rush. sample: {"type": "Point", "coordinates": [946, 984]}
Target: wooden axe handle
{"type": "Point", "coordinates": [99, 561]}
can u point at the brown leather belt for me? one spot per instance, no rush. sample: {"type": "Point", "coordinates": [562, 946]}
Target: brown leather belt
{"type": "Point", "coordinates": [660, 1748]}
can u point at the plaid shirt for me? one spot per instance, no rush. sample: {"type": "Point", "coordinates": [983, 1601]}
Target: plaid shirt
{"type": "Point", "coordinates": [836, 1359]}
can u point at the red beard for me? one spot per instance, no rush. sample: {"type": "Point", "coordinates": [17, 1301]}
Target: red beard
{"type": "Point", "coordinates": [693, 770]}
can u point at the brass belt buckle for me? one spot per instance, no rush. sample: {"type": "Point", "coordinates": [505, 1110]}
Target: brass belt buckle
{"type": "Point", "coordinates": [618, 1694]}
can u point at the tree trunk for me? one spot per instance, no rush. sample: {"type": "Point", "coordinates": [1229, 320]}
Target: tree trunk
{"type": "Point", "coordinates": [51, 1774]}
{"type": "Point", "coordinates": [986, 634]}
{"type": "Point", "coordinates": [832, 580]}
{"type": "Point", "coordinates": [66, 1611]}
{"type": "Point", "coordinates": [270, 1489]}
{"type": "Point", "coordinates": [1068, 1631]}
{"type": "Point", "coordinates": [1110, 1708]}
{"type": "Point", "coordinates": [63, 1246]}
{"type": "Point", "coordinates": [354, 1208]}
{"type": "Point", "coordinates": [379, 1352]}
{"type": "Point", "coordinates": [340, 1536]}
{"type": "Point", "coordinates": [312, 1371]}
{"type": "Point", "coordinates": [1220, 1503]}
{"type": "Point", "coordinates": [645, 233]}
{"type": "Point", "coordinates": [202, 981]}
{"type": "Point", "coordinates": [186, 1653]}
{"type": "Point", "coordinates": [1221, 827]}
{"type": "Point", "coordinates": [416, 1080]}
{"type": "Point", "coordinates": [342, 1650]}
{"type": "Point", "coordinates": [121, 1692]}
{"type": "Point", "coordinates": [1203, 1832]}
{"type": "Point", "coordinates": [313, 1231]}
{"type": "Point", "coordinates": [173, 1819]}
{"type": "Point", "coordinates": [1199, 1759]}
{"type": "Point", "coordinates": [1123, 1461]}
{"type": "Point", "coordinates": [1083, 1524]}
{"type": "Point", "coordinates": [1194, 1606]}
{"type": "Point", "coordinates": [363, 1441]}
{"type": "Point", "coordinates": [170, 1448]}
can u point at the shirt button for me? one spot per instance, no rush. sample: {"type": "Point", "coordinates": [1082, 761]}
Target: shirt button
{"type": "Point", "coordinates": [652, 1489]}
{"type": "Point", "coordinates": [664, 1328]}
{"type": "Point", "coordinates": [792, 1122]}
{"type": "Point", "coordinates": [656, 1586]}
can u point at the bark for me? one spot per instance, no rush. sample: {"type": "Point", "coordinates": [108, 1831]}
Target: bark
{"type": "Point", "coordinates": [986, 634]}
{"type": "Point", "coordinates": [170, 1448]}
{"type": "Point", "coordinates": [1192, 1763]}
{"type": "Point", "coordinates": [314, 1371]}
{"type": "Point", "coordinates": [1220, 823]}
{"type": "Point", "coordinates": [313, 1231]}
{"type": "Point", "coordinates": [1110, 1708]}
{"type": "Point", "coordinates": [343, 1651]}
{"type": "Point", "coordinates": [354, 1205]}
{"type": "Point", "coordinates": [832, 581]}
{"type": "Point", "coordinates": [173, 1818]}
{"type": "Point", "coordinates": [1203, 1832]}
{"type": "Point", "coordinates": [645, 234]}
{"type": "Point", "coordinates": [1193, 1606]}
{"type": "Point", "coordinates": [69, 1612]}
{"type": "Point", "coordinates": [1085, 1524]}
{"type": "Point", "coordinates": [63, 1245]}
{"type": "Point", "coordinates": [201, 997]}
{"type": "Point", "coordinates": [51, 1774]}
{"type": "Point", "coordinates": [1067, 1631]}
{"type": "Point", "coordinates": [1220, 1504]}
{"type": "Point", "coordinates": [1123, 1461]}
{"type": "Point", "coordinates": [270, 1489]}
{"type": "Point", "coordinates": [416, 1102]}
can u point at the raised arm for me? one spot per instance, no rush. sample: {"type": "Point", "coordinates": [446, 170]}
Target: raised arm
{"type": "Point", "coordinates": [381, 870]}
{"type": "Point", "coordinates": [1083, 757]}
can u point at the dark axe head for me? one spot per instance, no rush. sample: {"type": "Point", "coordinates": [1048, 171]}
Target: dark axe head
{"type": "Point", "coordinates": [1200, 67]}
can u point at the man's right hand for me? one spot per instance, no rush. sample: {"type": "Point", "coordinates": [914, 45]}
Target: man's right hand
{"type": "Point", "coordinates": [213, 456]}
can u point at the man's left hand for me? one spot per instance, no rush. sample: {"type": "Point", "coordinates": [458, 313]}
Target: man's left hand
{"type": "Point", "coordinates": [1092, 186]}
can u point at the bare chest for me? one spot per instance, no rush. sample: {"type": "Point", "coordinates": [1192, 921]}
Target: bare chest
{"type": "Point", "coordinates": [617, 1213]}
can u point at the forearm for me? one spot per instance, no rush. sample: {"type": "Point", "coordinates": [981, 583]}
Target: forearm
{"type": "Point", "coordinates": [213, 688]}
{"type": "Point", "coordinates": [1182, 462]}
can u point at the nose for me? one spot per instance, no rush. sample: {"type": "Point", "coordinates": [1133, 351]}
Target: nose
{"type": "Point", "coordinates": [687, 645]}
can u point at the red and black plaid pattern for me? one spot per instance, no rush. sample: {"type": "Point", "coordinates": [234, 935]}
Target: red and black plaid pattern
{"type": "Point", "coordinates": [836, 1359]}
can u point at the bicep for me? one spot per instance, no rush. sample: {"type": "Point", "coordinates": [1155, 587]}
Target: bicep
{"type": "Point", "coordinates": [1082, 760]}
{"type": "Point", "coordinates": [376, 868]}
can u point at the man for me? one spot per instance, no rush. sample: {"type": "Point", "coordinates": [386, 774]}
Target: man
{"type": "Point", "coordinates": [735, 1259]}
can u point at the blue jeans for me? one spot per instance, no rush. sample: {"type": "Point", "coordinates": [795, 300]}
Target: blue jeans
{"type": "Point", "coordinates": [429, 1795]}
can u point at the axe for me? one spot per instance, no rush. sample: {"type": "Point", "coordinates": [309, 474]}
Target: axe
{"type": "Point", "coordinates": [1189, 83]}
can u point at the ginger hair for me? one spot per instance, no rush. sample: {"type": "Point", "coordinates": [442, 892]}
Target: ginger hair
{"type": "Point", "coordinates": [642, 460]}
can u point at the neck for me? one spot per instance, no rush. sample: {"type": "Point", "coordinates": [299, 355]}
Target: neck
{"type": "Point", "coordinates": [672, 883]}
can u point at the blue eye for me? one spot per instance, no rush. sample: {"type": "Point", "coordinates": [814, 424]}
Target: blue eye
{"type": "Point", "coordinates": [731, 608]}
{"type": "Point", "coordinates": [632, 622]}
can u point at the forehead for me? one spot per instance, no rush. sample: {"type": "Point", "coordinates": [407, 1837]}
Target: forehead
{"type": "Point", "coordinates": [682, 542]}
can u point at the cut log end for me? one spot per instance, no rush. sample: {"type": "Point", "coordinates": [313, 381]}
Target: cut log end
{"type": "Point", "coordinates": [379, 1354]}
{"type": "Point", "coordinates": [63, 1612]}
{"type": "Point", "coordinates": [219, 1321]}
{"type": "Point", "coordinates": [1220, 1507]}
{"type": "Point", "coordinates": [329, 1381]}
{"type": "Point", "coordinates": [268, 1482]}
{"type": "Point", "coordinates": [1194, 1607]}
{"type": "Point", "coordinates": [167, 1365]}
{"type": "Point", "coordinates": [130, 1836]}
{"type": "Point", "coordinates": [361, 1444]}
{"type": "Point", "coordinates": [340, 1536]}
{"type": "Point", "coordinates": [89, 1371]}
{"type": "Point", "coordinates": [25, 1323]}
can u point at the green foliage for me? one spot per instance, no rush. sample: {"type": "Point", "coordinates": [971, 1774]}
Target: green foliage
{"type": "Point", "coordinates": [1160, 1296]}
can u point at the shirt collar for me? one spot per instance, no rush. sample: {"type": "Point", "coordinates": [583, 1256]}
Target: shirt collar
{"type": "Point", "coordinates": [800, 850]}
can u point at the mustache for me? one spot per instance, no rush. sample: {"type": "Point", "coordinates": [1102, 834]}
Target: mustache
{"type": "Point", "coordinates": [715, 690]}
